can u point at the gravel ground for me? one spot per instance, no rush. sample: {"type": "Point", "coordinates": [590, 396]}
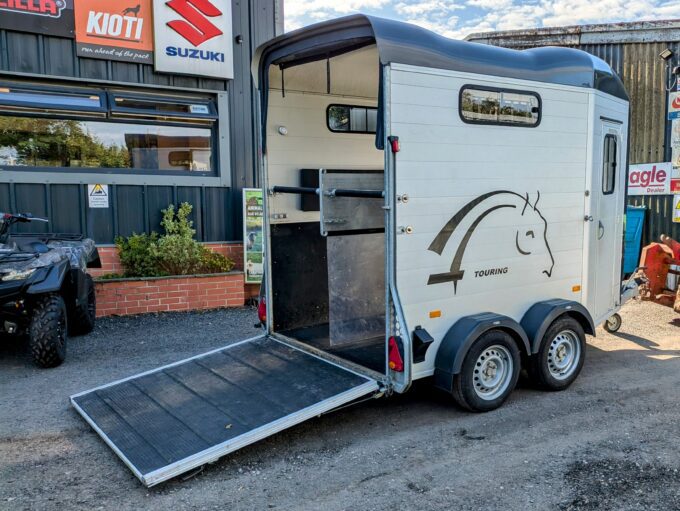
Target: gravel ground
{"type": "Point", "coordinates": [609, 442]}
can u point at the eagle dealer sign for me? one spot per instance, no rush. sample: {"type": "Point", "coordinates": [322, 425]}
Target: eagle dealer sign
{"type": "Point", "coordinates": [193, 37]}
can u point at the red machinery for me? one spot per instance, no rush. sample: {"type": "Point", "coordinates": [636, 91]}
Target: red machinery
{"type": "Point", "coordinates": [656, 261]}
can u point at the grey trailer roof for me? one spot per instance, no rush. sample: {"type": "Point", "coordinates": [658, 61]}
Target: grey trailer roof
{"type": "Point", "coordinates": [404, 43]}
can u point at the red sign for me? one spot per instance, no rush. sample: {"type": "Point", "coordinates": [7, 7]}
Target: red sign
{"type": "Point", "coordinates": [195, 28]}
{"type": "Point", "coordinates": [49, 17]}
{"type": "Point", "coordinates": [113, 30]}
{"type": "Point", "coordinates": [51, 8]}
{"type": "Point", "coordinates": [675, 185]}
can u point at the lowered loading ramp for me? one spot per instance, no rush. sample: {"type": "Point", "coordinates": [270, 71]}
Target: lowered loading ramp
{"type": "Point", "coordinates": [175, 418]}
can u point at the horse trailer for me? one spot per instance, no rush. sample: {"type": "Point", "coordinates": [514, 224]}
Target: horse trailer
{"type": "Point", "coordinates": [433, 208]}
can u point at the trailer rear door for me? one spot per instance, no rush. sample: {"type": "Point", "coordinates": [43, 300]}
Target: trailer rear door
{"type": "Point", "coordinates": [175, 418]}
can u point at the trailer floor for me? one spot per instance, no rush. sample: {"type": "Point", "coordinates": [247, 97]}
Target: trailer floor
{"type": "Point", "coordinates": [368, 353]}
{"type": "Point", "coordinates": [609, 442]}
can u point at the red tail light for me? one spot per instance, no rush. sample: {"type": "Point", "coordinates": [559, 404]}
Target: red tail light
{"type": "Point", "coordinates": [395, 360]}
{"type": "Point", "coordinates": [262, 310]}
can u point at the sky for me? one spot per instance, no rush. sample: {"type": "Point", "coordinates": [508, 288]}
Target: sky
{"type": "Point", "coordinates": [459, 18]}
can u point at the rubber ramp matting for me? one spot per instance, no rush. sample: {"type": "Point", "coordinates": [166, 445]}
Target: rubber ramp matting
{"type": "Point", "coordinates": [178, 417]}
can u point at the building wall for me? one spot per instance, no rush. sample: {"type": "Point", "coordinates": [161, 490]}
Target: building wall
{"type": "Point", "coordinates": [136, 200]}
{"type": "Point", "coordinates": [632, 50]}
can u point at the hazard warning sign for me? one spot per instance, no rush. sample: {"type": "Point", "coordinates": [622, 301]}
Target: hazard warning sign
{"type": "Point", "coordinates": [98, 196]}
{"type": "Point", "coordinates": [676, 208]}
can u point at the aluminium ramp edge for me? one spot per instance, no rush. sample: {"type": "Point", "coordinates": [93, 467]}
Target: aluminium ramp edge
{"type": "Point", "coordinates": [167, 421]}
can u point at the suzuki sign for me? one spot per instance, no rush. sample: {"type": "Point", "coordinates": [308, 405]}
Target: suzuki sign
{"type": "Point", "coordinates": [193, 37]}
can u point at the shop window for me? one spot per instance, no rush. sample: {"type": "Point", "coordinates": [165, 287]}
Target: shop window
{"type": "Point", "coordinates": [499, 106]}
{"type": "Point", "coordinates": [21, 99]}
{"type": "Point", "coordinates": [53, 130]}
{"type": "Point", "coordinates": [87, 144]}
{"type": "Point", "coordinates": [187, 111]}
{"type": "Point", "coordinates": [351, 119]}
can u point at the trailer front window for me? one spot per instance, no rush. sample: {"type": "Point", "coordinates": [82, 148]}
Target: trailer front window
{"type": "Point", "coordinates": [499, 106]}
{"type": "Point", "coordinates": [351, 119]}
{"type": "Point", "coordinates": [609, 165]}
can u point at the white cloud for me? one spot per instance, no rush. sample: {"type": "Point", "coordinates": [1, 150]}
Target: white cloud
{"type": "Point", "coordinates": [459, 18]}
{"type": "Point", "coordinates": [301, 12]}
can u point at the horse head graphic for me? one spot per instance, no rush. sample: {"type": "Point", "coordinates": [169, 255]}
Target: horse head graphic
{"type": "Point", "coordinates": [527, 242]}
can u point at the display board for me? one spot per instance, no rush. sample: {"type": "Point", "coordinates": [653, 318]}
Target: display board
{"type": "Point", "coordinates": [253, 224]}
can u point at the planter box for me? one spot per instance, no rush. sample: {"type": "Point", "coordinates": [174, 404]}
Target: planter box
{"type": "Point", "coordinates": [121, 297]}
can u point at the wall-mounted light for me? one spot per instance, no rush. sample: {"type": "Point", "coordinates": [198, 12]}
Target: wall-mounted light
{"type": "Point", "coordinates": [282, 130]}
{"type": "Point", "coordinates": [666, 54]}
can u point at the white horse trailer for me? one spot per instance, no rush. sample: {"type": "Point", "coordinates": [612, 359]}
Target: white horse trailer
{"type": "Point", "coordinates": [433, 208]}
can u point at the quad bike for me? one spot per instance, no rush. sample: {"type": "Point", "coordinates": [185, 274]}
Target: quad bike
{"type": "Point", "coordinates": [45, 292]}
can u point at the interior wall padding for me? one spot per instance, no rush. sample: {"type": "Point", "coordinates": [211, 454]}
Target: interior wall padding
{"type": "Point", "coordinates": [299, 275]}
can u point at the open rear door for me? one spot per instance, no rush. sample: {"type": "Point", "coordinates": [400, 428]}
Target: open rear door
{"type": "Point", "coordinates": [170, 420]}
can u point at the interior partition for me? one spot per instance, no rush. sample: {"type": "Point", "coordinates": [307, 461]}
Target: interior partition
{"type": "Point", "coordinates": [328, 289]}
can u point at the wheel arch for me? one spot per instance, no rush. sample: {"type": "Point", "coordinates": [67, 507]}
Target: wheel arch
{"type": "Point", "coordinates": [462, 335]}
{"type": "Point", "coordinates": [53, 279]}
{"type": "Point", "coordinates": [541, 315]}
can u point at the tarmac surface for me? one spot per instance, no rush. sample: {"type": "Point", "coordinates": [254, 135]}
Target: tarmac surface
{"type": "Point", "coordinates": [611, 441]}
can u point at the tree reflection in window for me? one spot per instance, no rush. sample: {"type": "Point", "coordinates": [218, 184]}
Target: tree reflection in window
{"type": "Point", "coordinates": [43, 142]}
{"type": "Point", "coordinates": [499, 107]}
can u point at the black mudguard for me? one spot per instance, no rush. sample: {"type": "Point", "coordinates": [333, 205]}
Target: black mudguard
{"type": "Point", "coordinates": [462, 335]}
{"type": "Point", "coordinates": [540, 316]}
{"type": "Point", "coordinates": [52, 281]}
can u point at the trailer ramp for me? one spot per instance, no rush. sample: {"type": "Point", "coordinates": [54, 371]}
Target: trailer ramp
{"type": "Point", "coordinates": [175, 418]}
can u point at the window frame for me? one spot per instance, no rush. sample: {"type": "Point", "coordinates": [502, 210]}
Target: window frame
{"type": "Point", "coordinates": [168, 116]}
{"type": "Point", "coordinates": [105, 115]}
{"type": "Point", "coordinates": [40, 108]}
{"type": "Point", "coordinates": [485, 88]}
{"type": "Point", "coordinates": [610, 137]}
{"type": "Point", "coordinates": [351, 132]}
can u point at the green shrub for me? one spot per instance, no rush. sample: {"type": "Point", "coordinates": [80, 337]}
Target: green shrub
{"type": "Point", "coordinates": [137, 255]}
{"type": "Point", "coordinates": [174, 253]}
{"type": "Point", "coordinates": [212, 262]}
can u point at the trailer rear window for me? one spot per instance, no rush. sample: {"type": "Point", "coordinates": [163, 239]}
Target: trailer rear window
{"type": "Point", "coordinates": [502, 107]}
{"type": "Point", "coordinates": [351, 119]}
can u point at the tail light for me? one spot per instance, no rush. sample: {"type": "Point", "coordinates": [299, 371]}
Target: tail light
{"type": "Point", "coordinates": [395, 358]}
{"type": "Point", "coordinates": [262, 310]}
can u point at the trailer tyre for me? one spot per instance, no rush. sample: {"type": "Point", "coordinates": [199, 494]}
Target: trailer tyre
{"type": "Point", "coordinates": [560, 356]}
{"type": "Point", "coordinates": [489, 372]}
{"type": "Point", "coordinates": [84, 315]}
{"type": "Point", "coordinates": [48, 331]}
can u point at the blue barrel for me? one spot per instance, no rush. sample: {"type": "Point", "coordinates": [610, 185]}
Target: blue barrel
{"type": "Point", "coordinates": [635, 221]}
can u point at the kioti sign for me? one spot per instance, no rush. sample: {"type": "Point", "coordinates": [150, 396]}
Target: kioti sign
{"type": "Point", "coordinates": [649, 179]}
{"type": "Point", "coordinates": [50, 17]}
{"type": "Point", "coordinates": [193, 37]}
{"type": "Point", "coordinates": [115, 30]}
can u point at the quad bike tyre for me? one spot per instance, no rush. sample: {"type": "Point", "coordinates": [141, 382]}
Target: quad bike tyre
{"type": "Point", "coordinates": [48, 331]}
{"type": "Point", "coordinates": [83, 315]}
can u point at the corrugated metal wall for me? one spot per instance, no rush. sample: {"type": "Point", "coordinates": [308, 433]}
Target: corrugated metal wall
{"type": "Point", "coordinates": [644, 76]}
{"type": "Point", "coordinates": [134, 209]}
{"type": "Point", "coordinates": [217, 210]}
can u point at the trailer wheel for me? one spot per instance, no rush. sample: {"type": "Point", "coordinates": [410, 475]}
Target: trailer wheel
{"type": "Point", "coordinates": [613, 323]}
{"type": "Point", "coordinates": [84, 315]}
{"type": "Point", "coordinates": [489, 372]}
{"type": "Point", "coordinates": [560, 356]}
{"type": "Point", "coordinates": [48, 331]}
